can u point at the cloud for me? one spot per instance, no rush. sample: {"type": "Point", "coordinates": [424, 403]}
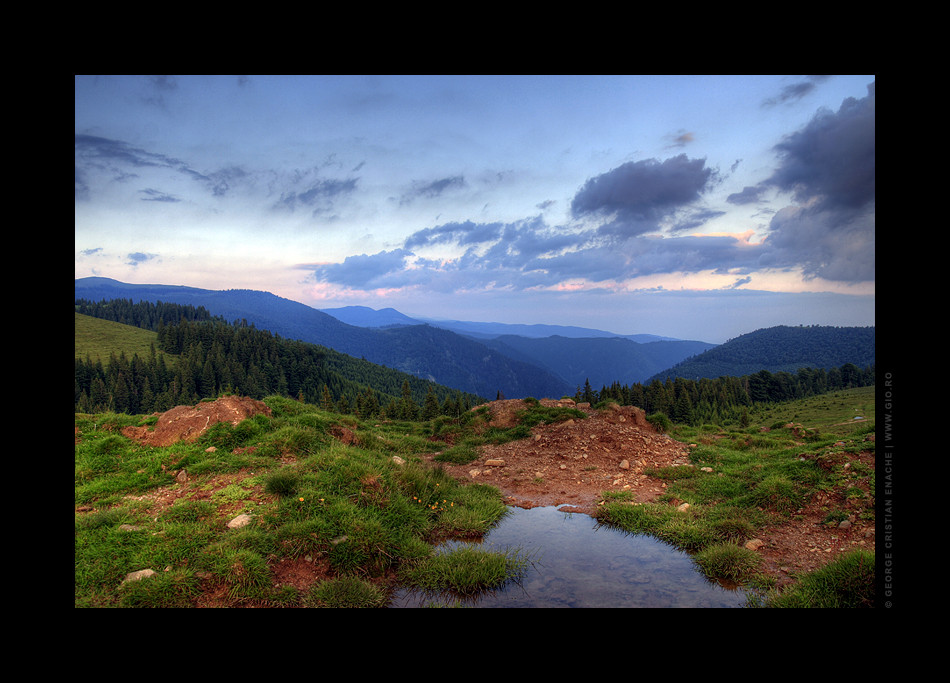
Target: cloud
{"type": "Point", "coordinates": [318, 196]}
{"type": "Point", "coordinates": [455, 233]}
{"type": "Point", "coordinates": [682, 138]}
{"type": "Point", "coordinates": [749, 195]}
{"type": "Point", "coordinates": [795, 91]}
{"type": "Point", "coordinates": [832, 158]}
{"type": "Point", "coordinates": [638, 195]}
{"type": "Point", "coordinates": [432, 189]}
{"type": "Point", "coordinates": [828, 167]}
{"type": "Point", "coordinates": [152, 195]}
{"type": "Point", "coordinates": [94, 151]}
{"type": "Point", "coordinates": [137, 258]}
{"type": "Point", "coordinates": [364, 271]}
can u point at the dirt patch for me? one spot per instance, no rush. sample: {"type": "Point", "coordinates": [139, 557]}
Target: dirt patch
{"type": "Point", "coordinates": [187, 423]}
{"type": "Point", "coordinates": [569, 465]}
{"type": "Point", "coordinates": [572, 462]}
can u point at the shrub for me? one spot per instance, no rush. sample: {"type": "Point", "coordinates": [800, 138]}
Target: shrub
{"type": "Point", "coordinates": [660, 422]}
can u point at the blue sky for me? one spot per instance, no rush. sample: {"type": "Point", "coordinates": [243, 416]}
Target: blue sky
{"type": "Point", "coordinates": [698, 207]}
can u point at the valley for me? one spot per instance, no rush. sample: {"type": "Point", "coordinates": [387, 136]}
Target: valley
{"type": "Point", "coordinates": [509, 361]}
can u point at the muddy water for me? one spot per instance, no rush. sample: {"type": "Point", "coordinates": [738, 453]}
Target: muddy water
{"type": "Point", "coordinates": [577, 563]}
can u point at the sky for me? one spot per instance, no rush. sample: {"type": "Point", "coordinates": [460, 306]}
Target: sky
{"type": "Point", "coordinates": [695, 207]}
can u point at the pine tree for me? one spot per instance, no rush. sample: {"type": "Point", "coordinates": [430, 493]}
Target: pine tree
{"type": "Point", "coordinates": [430, 407]}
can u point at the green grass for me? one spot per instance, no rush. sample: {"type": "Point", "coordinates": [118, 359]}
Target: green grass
{"type": "Point", "coordinates": [466, 570]}
{"type": "Point", "coordinates": [846, 582]}
{"type": "Point", "coordinates": [370, 514]}
{"type": "Point", "coordinates": [99, 339]}
{"type": "Point", "coordinates": [742, 480]}
{"type": "Point", "coordinates": [357, 511]}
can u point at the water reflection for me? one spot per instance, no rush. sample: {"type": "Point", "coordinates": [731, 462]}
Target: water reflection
{"type": "Point", "coordinates": [578, 563]}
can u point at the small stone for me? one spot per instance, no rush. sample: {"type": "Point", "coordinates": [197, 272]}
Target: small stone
{"type": "Point", "coordinates": [136, 576]}
{"type": "Point", "coordinates": [239, 521]}
{"type": "Point", "coordinates": [625, 465]}
{"type": "Point", "coordinates": [754, 544]}
{"type": "Point", "coordinates": [496, 462]}
{"type": "Point", "coordinates": [398, 461]}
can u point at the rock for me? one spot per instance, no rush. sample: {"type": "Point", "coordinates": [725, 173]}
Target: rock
{"type": "Point", "coordinates": [754, 544]}
{"type": "Point", "coordinates": [398, 461]}
{"type": "Point", "coordinates": [137, 576]}
{"type": "Point", "coordinates": [239, 521]}
{"type": "Point", "coordinates": [683, 508]}
{"type": "Point", "coordinates": [495, 462]}
{"type": "Point", "coordinates": [625, 465]}
{"type": "Point", "coordinates": [181, 477]}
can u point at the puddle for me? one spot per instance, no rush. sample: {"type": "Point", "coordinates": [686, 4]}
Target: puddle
{"type": "Point", "coordinates": [577, 563]}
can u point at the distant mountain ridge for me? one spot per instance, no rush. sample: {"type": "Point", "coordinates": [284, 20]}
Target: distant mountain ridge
{"type": "Point", "coordinates": [363, 316]}
{"type": "Point", "coordinates": [430, 353]}
{"type": "Point", "coordinates": [487, 358]}
{"type": "Point", "coordinates": [780, 349]}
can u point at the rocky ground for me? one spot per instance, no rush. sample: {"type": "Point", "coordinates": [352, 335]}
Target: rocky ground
{"type": "Point", "coordinates": [569, 464]}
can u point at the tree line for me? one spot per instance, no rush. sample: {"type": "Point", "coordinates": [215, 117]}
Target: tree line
{"type": "Point", "coordinates": [714, 401]}
{"type": "Point", "coordinates": [210, 357]}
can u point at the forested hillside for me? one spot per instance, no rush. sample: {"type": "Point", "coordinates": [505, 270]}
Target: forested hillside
{"type": "Point", "coordinates": [434, 354]}
{"type": "Point", "coordinates": [780, 349]}
{"type": "Point", "coordinates": [726, 398]}
{"type": "Point", "coordinates": [212, 357]}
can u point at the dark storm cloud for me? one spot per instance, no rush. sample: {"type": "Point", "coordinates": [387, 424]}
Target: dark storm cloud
{"type": "Point", "coordinates": [832, 158]}
{"type": "Point", "coordinates": [637, 195]}
{"type": "Point", "coordinates": [829, 168]}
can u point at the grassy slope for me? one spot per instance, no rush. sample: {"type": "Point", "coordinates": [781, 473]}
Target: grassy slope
{"type": "Point", "coordinates": [100, 338]}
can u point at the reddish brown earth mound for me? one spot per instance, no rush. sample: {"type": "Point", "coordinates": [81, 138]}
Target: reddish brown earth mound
{"type": "Point", "coordinates": [187, 423]}
{"type": "Point", "coordinates": [570, 464]}
{"type": "Point", "coordinates": [573, 462]}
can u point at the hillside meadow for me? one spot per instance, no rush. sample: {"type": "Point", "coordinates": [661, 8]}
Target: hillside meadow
{"type": "Point", "coordinates": [342, 511]}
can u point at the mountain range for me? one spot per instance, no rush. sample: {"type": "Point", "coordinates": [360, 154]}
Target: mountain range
{"type": "Point", "coordinates": [514, 360]}
{"type": "Point", "coordinates": [476, 362]}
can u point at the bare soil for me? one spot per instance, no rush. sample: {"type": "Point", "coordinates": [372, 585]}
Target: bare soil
{"type": "Point", "coordinates": [567, 465]}
{"type": "Point", "coordinates": [570, 464]}
{"type": "Point", "coordinates": [187, 423]}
